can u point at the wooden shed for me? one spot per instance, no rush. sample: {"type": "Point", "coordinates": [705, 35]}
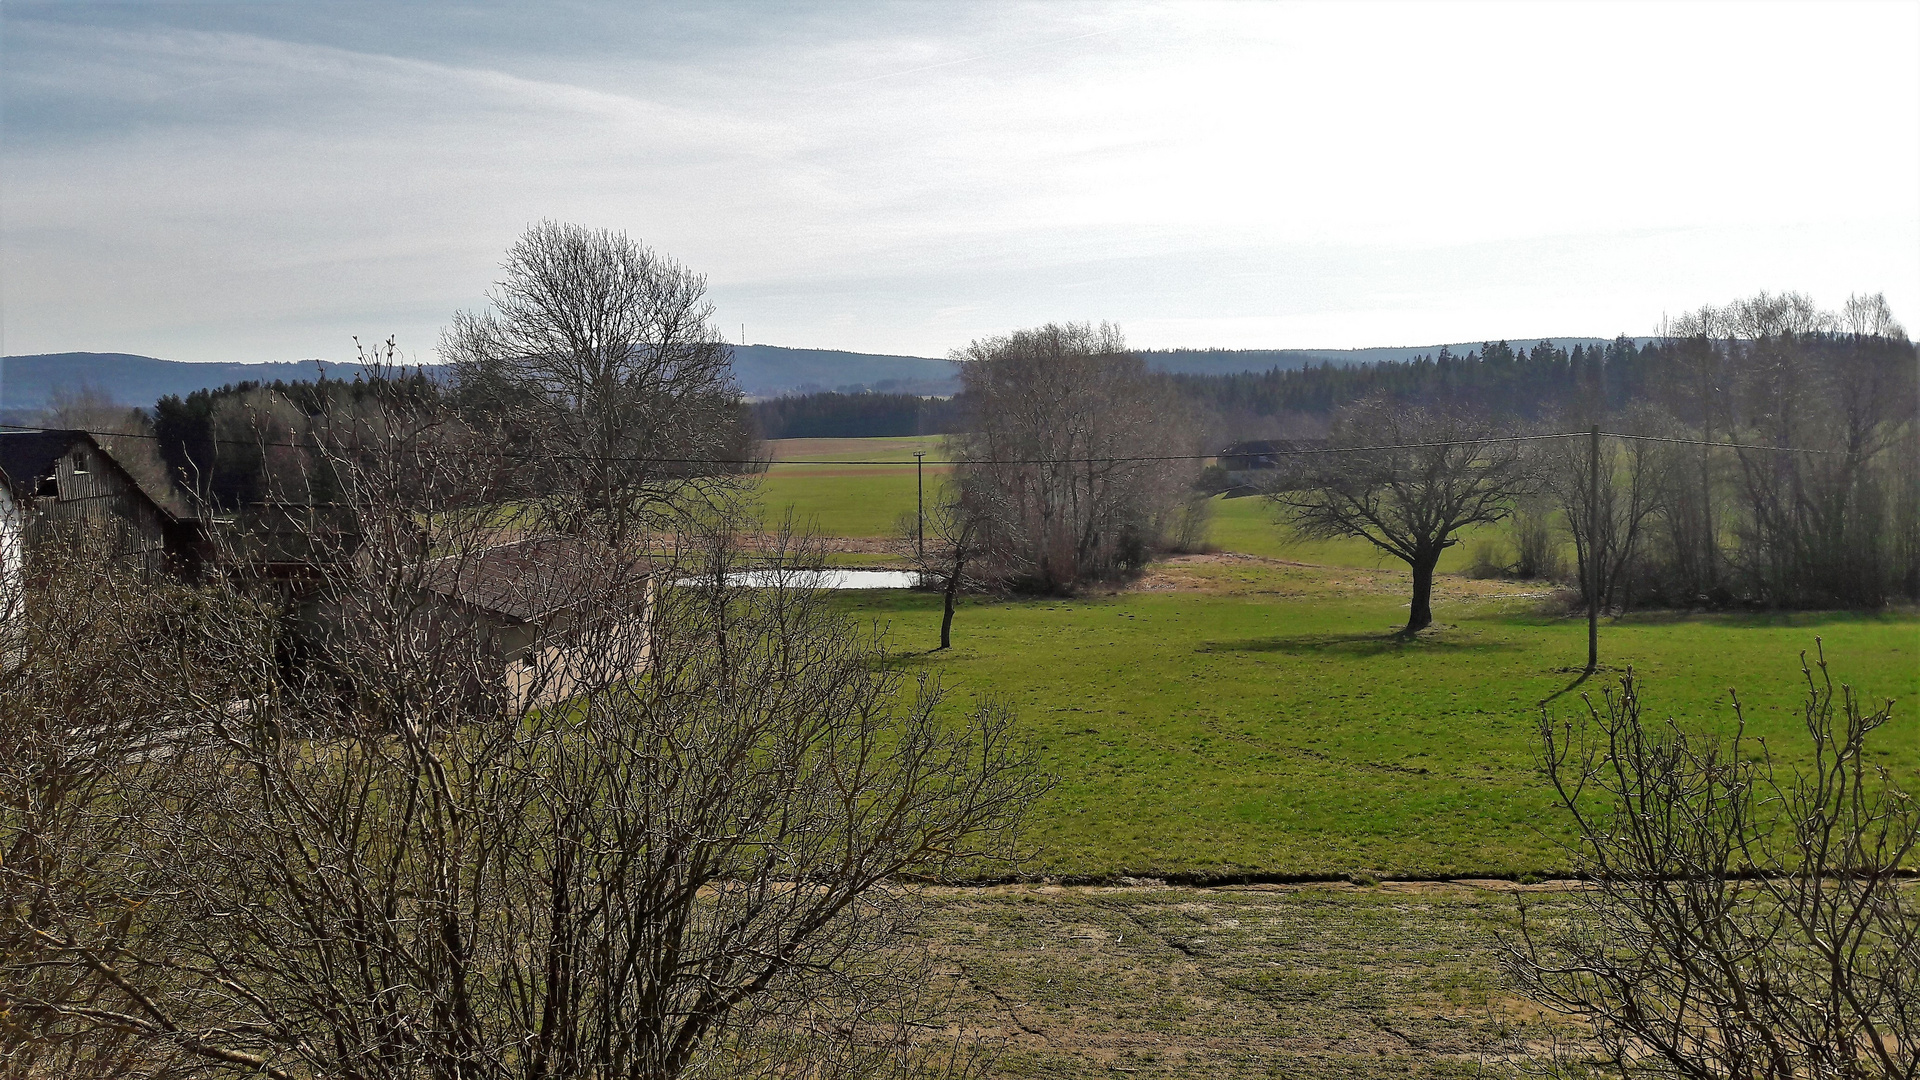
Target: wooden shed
{"type": "Point", "coordinates": [557, 616]}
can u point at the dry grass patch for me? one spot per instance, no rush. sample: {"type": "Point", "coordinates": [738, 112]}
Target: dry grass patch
{"type": "Point", "coordinates": [1299, 981]}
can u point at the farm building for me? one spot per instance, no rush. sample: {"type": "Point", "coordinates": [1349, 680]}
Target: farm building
{"type": "Point", "coordinates": [554, 616]}
{"type": "Point", "coordinates": [1252, 465]}
{"type": "Point", "coordinates": [64, 481]}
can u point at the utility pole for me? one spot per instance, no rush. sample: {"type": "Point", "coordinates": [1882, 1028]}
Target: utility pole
{"type": "Point", "coordinates": [919, 504]}
{"type": "Point", "coordinates": [1593, 550]}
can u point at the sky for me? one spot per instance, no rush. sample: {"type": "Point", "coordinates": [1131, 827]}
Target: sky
{"type": "Point", "coordinates": [264, 181]}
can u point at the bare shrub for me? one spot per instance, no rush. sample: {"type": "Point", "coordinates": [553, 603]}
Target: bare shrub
{"type": "Point", "coordinates": [1740, 923]}
{"type": "Point", "coordinates": [1536, 551]}
{"type": "Point", "coordinates": [107, 672]}
{"type": "Point", "coordinates": [1191, 525]}
{"type": "Point", "coordinates": [1491, 559]}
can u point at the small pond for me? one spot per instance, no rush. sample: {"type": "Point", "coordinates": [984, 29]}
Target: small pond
{"type": "Point", "coordinates": [827, 579]}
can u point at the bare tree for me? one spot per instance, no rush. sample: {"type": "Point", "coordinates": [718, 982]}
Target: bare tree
{"type": "Point", "coordinates": [602, 369]}
{"type": "Point", "coordinates": [943, 549]}
{"type": "Point", "coordinates": [1739, 923]}
{"type": "Point", "coordinates": [1779, 376]}
{"type": "Point", "coordinates": [1633, 483]}
{"type": "Point", "coordinates": [103, 668]}
{"type": "Point", "coordinates": [1869, 316]}
{"type": "Point", "coordinates": [1069, 458]}
{"type": "Point", "coordinates": [1406, 480]}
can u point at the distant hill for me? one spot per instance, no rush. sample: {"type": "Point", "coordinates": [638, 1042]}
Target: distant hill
{"type": "Point", "coordinates": [28, 383]}
{"type": "Point", "coordinates": [769, 371]}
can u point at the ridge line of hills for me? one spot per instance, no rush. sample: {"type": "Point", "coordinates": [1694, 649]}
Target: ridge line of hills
{"type": "Point", "coordinates": [32, 382]}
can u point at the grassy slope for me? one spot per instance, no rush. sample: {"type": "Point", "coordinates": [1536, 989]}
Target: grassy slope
{"type": "Point", "coordinates": [1255, 717]}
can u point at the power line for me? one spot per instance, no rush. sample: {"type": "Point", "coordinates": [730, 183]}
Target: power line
{"type": "Point", "coordinates": [1728, 445]}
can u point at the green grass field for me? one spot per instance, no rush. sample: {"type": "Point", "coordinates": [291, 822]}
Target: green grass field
{"type": "Point", "coordinates": [846, 500]}
{"type": "Point", "coordinates": [1251, 526]}
{"type": "Point", "coordinates": [1262, 720]}
{"type": "Point", "coordinates": [1246, 716]}
{"type": "Point", "coordinates": [849, 501]}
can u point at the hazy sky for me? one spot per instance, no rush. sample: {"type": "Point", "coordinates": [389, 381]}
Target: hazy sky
{"type": "Point", "coordinates": [261, 181]}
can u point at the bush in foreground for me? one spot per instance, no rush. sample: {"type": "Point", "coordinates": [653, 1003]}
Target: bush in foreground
{"type": "Point", "coordinates": [1740, 923]}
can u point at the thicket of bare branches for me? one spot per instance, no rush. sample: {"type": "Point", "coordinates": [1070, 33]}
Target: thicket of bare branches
{"type": "Point", "coordinates": [1063, 432]}
{"type": "Point", "coordinates": [676, 831]}
{"type": "Point", "coordinates": [1743, 920]}
{"type": "Point", "coordinates": [104, 671]}
{"type": "Point", "coordinates": [1838, 526]}
{"type": "Point", "coordinates": [1447, 469]}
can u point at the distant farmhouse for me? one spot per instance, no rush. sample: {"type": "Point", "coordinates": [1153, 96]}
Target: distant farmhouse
{"type": "Point", "coordinates": [1251, 466]}
{"type": "Point", "coordinates": [550, 616]}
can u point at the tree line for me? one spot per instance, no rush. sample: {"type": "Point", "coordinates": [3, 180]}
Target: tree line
{"type": "Point", "coordinates": [1758, 454]}
{"type": "Point", "coordinates": [830, 415]}
{"type": "Point", "coordinates": [1522, 381]}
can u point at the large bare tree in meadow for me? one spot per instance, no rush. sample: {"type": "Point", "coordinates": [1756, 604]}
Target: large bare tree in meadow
{"type": "Point", "coordinates": [1407, 480]}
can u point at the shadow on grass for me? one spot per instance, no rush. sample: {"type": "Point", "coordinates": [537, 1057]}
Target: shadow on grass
{"type": "Point", "coordinates": [1349, 644]}
{"type": "Point", "coordinates": [1569, 688]}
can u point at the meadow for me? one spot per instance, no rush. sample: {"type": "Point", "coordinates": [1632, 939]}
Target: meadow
{"type": "Point", "coordinates": [1250, 715]}
{"type": "Point", "coordinates": [833, 497]}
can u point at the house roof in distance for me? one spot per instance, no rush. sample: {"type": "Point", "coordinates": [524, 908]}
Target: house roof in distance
{"type": "Point", "coordinates": [28, 457]}
{"type": "Point", "coordinates": [532, 579]}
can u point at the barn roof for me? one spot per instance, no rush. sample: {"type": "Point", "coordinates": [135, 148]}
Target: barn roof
{"type": "Point", "coordinates": [27, 457]}
{"type": "Point", "coordinates": [529, 580]}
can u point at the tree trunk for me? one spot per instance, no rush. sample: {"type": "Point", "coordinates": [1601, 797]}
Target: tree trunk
{"type": "Point", "coordinates": [946, 617]}
{"type": "Point", "coordinates": [1420, 616]}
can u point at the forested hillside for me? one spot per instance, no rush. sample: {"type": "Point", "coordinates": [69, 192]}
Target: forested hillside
{"type": "Point", "coordinates": [29, 383]}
